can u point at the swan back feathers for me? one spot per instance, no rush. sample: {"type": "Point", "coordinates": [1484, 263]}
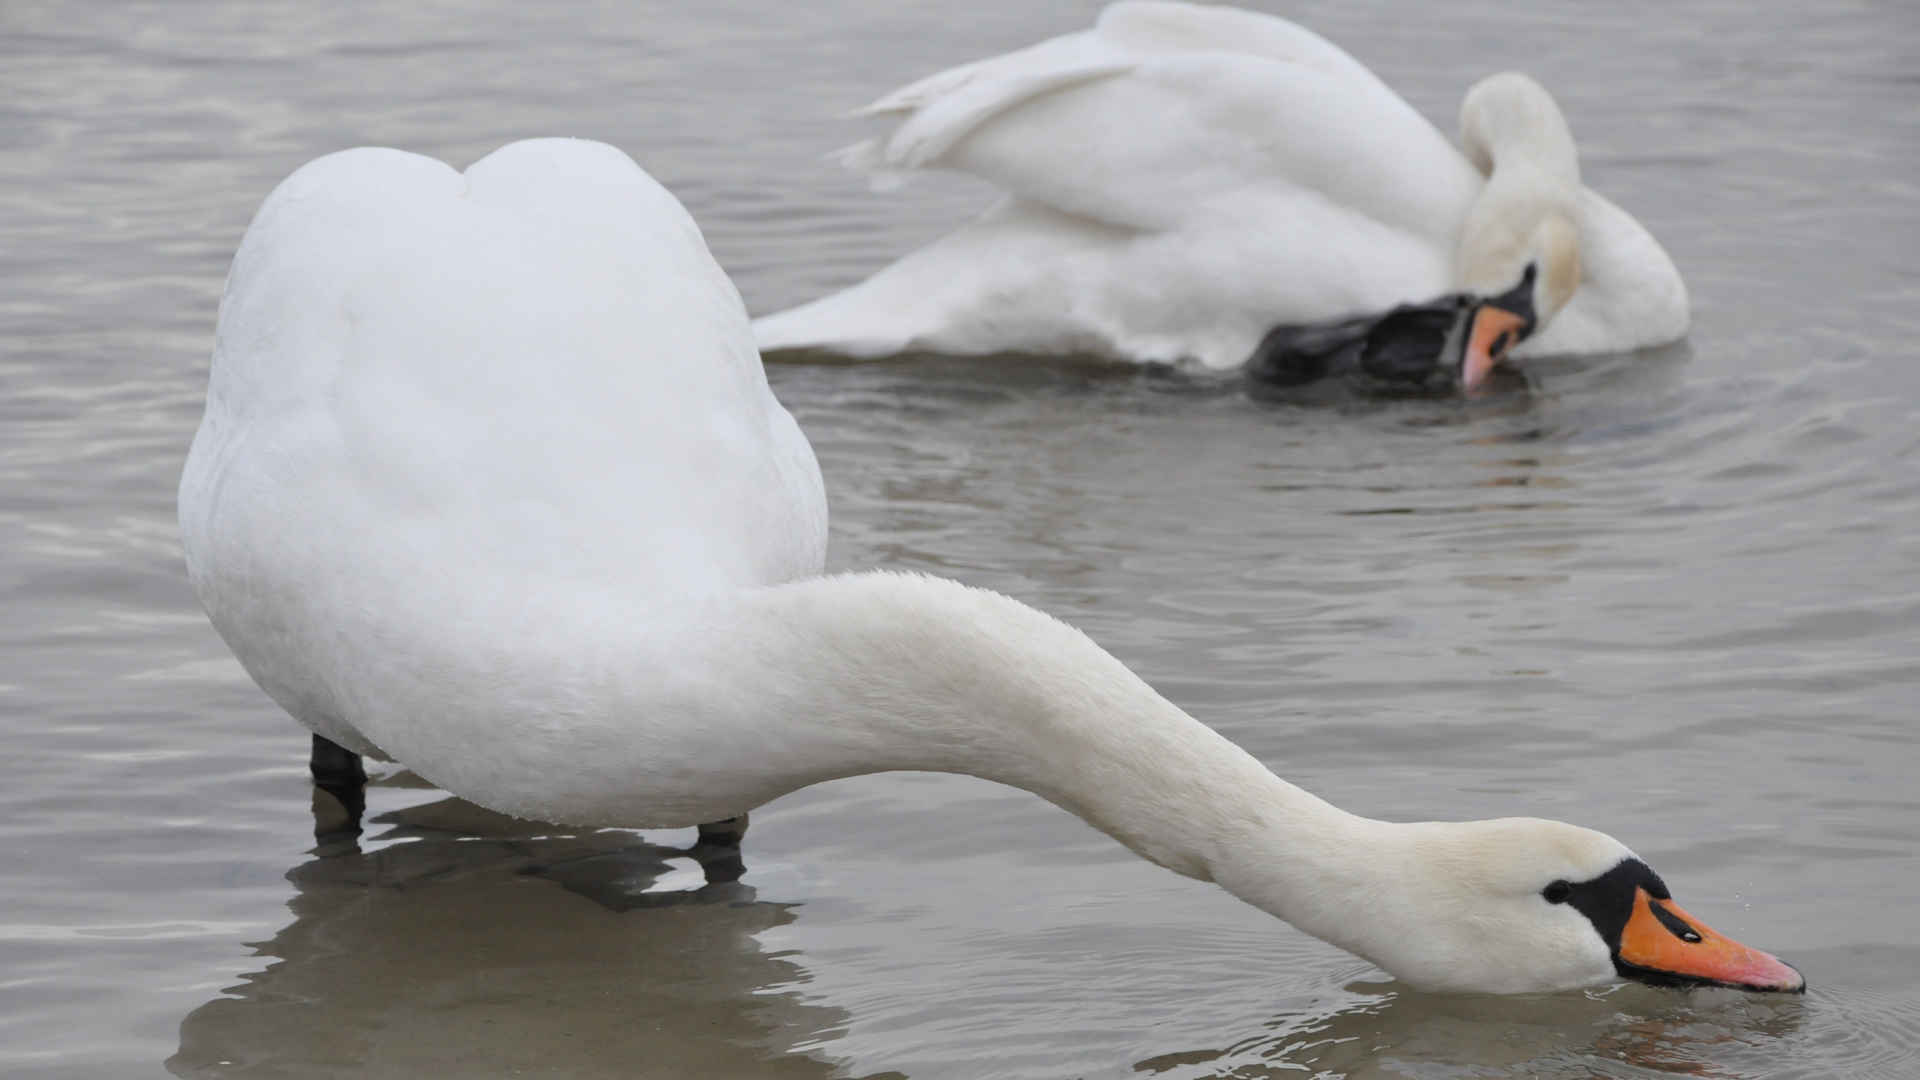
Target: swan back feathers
{"type": "Point", "coordinates": [532, 368]}
{"type": "Point", "coordinates": [443, 405]}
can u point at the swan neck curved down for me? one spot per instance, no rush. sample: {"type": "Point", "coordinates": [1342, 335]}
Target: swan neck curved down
{"type": "Point", "coordinates": [1510, 119]}
{"type": "Point", "coordinates": [908, 673]}
{"type": "Point", "coordinates": [929, 675]}
{"type": "Point", "coordinates": [924, 674]}
{"type": "Point", "coordinates": [1513, 132]}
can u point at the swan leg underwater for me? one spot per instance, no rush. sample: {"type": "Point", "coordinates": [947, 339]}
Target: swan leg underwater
{"type": "Point", "coordinates": [1201, 185]}
{"type": "Point", "coordinates": [339, 772]}
{"type": "Point", "coordinates": [491, 483]}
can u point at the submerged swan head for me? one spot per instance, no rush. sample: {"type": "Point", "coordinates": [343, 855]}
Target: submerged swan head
{"type": "Point", "coordinates": [1519, 248]}
{"type": "Point", "coordinates": [1519, 905]}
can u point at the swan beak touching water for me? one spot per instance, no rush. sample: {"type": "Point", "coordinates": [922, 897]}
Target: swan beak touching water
{"type": "Point", "coordinates": [1663, 945]}
{"type": "Point", "coordinates": [1493, 329]}
{"type": "Point", "coordinates": [1448, 344]}
{"type": "Point", "coordinates": [1655, 941]}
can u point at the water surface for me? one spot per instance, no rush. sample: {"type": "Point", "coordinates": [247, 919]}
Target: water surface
{"type": "Point", "coordinates": [1671, 596]}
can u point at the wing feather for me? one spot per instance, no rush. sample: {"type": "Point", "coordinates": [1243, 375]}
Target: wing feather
{"type": "Point", "coordinates": [1167, 111]}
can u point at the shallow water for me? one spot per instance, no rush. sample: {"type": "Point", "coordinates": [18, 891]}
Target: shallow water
{"type": "Point", "coordinates": [1671, 596]}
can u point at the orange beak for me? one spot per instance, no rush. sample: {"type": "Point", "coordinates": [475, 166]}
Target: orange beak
{"type": "Point", "coordinates": [1493, 331]}
{"type": "Point", "coordinates": [1663, 944]}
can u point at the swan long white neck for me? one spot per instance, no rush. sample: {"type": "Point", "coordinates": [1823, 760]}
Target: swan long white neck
{"type": "Point", "coordinates": [1606, 284]}
{"type": "Point", "coordinates": [1509, 118]}
{"type": "Point", "coordinates": [930, 675]}
{"type": "Point", "coordinates": [773, 689]}
{"type": "Point", "coordinates": [1513, 132]}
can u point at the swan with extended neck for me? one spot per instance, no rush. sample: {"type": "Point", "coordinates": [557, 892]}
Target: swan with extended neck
{"type": "Point", "coordinates": [1179, 180]}
{"type": "Point", "coordinates": [491, 483]}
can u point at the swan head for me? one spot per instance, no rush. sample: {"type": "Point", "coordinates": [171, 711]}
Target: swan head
{"type": "Point", "coordinates": [1521, 905]}
{"type": "Point", "coordinates": [1452, 341]}
{"type": "Point", "coordinates": [1519, 247]}
{"type": "Point", "coordinates": [1512, 294]}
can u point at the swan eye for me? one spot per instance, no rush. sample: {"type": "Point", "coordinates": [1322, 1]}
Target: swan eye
{"type": "Point", "coordinates": [1558, 892]}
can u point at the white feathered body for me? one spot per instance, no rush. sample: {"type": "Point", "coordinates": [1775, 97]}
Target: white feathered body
{"type": "Point", "coordinates": [491, 482]}
{"type": "Point", "coordinates": [1177, 181]}
{"type": "Point", "coordinates": [466, 434]}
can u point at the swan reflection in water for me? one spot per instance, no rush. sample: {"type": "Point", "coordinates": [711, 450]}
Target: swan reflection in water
{"type": "Point", "coordinates": [473, 944]}
{"type": "Point", "coordinates": [486, 946]}
{"type": "Point", "coordinates": [1386, 1029]}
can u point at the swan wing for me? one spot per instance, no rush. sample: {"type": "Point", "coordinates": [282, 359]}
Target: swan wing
{"type": "Point", "coordinates": [1165, 111]}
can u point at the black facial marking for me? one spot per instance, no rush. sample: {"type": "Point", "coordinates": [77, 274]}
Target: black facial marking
{"type": "Point", "coordinates": [1519, 300]}
{"type": "Point", "coordinates": [1607, 901]}
{"type": "Point", "coordinates": [1500, 344]}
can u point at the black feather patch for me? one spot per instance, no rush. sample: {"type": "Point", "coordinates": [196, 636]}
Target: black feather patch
{"type": "Point", "coordinates": [1414, 348]}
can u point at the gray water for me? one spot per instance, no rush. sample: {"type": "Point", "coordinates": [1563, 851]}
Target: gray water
{"type": "Point", "coordinates": [1672, 596]}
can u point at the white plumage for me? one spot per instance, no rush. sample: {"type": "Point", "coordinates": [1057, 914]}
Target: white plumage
{"type": "Point", "coordinates": [1178, 180]}
{"type": "Point", "coordinates": [490, 482]}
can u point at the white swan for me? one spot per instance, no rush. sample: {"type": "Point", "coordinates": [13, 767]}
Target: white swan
{"type": "Point", "coordinates": [491, 482]}
{"type": "Point", "coordinates": [1179, 179]}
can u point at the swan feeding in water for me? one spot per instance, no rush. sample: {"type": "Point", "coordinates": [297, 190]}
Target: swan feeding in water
{"type": "Point", "coordinates": [1204, 185]}
{"type": "Point", "coordinates": [491, 483]}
